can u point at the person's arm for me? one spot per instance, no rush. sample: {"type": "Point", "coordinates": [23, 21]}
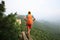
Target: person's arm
{"type": "Point", "coordinates": [33, 18]}
{"type": "Point", "coordinates": [25, 18]}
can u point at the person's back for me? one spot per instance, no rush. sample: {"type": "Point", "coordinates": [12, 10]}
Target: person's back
{"type": "Point", "coordinates": [29, 21]}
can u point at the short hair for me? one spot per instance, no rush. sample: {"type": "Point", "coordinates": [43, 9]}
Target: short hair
{"type": "Point", "coordinates": [29, 12]}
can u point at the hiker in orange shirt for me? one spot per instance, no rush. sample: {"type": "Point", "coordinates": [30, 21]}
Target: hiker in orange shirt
{"type": "Point", "coordinates": [29, 21]}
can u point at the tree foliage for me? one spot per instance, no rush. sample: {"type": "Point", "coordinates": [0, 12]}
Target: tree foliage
{"type": "Point", "coordinates": [9, 28]}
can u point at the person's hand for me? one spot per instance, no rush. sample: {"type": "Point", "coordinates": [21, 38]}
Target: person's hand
{"type": "Point", "coordinates": [25, 18]}
{"type": "Point", "coordinates": [34, 19]}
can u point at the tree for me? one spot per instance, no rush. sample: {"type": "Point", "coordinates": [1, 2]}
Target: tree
{"type": "Point", "coordinates": [9, 28]}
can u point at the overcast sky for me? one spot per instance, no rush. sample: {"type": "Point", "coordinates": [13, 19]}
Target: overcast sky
{"type": "Point", "coordinates": [41, 9]}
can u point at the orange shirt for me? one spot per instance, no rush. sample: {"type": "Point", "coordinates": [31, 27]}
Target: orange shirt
{"type": "Point", "coordinates": [29, 19]}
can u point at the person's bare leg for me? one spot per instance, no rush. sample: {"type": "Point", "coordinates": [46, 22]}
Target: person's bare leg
{"type": "Point", "coordinates": [28, 31]}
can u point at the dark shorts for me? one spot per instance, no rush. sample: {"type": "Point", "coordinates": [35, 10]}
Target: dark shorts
{"type": "Point", "coordinates": [29, 26]}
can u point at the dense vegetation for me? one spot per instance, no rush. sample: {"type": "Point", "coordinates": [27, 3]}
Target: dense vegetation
{"type": "Point", "coordinates": [9, 28]}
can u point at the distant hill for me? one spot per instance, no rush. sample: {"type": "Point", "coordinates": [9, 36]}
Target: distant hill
{"type": "Point", "coordinates": [50, 27]}
{"type": "Point", "coordinates": [20, 16]}
{"type": "Point", "coordinates": [53, 27]}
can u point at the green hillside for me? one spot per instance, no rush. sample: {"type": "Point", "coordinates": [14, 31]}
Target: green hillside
{"type": "Point", "coordinates": [50, 28]}
{"type": "Point", "coordinates": [38, 32]}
